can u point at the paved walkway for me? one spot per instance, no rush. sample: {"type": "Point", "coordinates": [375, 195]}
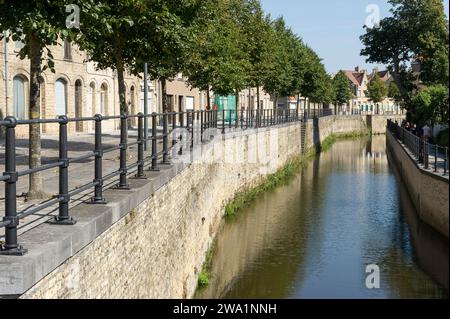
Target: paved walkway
{"type": "Point", "coordinates": [80, 173]}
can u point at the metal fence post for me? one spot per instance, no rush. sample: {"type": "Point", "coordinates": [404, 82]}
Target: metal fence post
{"type": "Point", "coordinates": [202, 113]}
{"type": "Point", "coordinates": [181, 116]}
{"type": "Point", "coordinates": [192, 128]}
{"type": "Point", "coordinates": [154, 156]}
{"type": "Point", "coordinates": [63, 217]}
{"type": "Point", "coordinates": [140, 145]}
{"type": "Point", "coordinates": [11, 247]}
{"type": "Point", "coordinates": [165, 160]}
{"type": "Point", "coordinates": [435, 158]}
{"type": "Point", "coordinates": [174, 127]}
{"type": "Point", "coordinates": [98, 151]}
{"type": "Point", "coordinates": [123, 153]}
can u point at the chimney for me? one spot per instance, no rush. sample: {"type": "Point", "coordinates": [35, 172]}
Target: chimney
{"type": "Point", "coordinates": [357, 69]}
{"type": "Point", "coordinates": [375, 70]}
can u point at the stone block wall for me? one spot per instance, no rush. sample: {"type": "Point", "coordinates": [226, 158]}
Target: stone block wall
{"type": "Point", "coordinates": [428, 191]}
{"type": "Point", "coordinates": [157, 249]}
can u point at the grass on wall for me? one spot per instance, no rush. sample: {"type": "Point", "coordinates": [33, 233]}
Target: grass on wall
{"type": "Point", "coordinates": [282, 176]}
{"type": "Point", "coordinates": [205, 274]}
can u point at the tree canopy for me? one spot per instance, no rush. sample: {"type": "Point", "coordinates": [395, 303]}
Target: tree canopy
{"type": "Point", "coordinates": [416, 33]}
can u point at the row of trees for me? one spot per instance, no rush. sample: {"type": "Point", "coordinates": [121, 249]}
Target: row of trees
{"type": "Point", "coordinates": [220, 45]}
{"type": "Point", "coordinates": [416, 33]}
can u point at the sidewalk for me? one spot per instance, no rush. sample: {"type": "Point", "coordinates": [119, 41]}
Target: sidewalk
{"type": "Point", "coordinates": [80, 173]}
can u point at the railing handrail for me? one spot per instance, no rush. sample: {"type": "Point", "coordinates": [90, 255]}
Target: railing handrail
{"type": "Point", "coordinates": [191, 120]}
{"type": "Point", "coordinates": [420, 148]}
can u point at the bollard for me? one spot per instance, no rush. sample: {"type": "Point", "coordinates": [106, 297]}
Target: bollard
{"type": "Point", "coordinates": [11, 247]}
{"type": "Point", "coordinates": [98, 151]}
{"type": "Point", "coordinates": [154, 155]}
{"type": "Point", "coordinates": [140, 145]}
{"type": "Point", "coordinates": [63, 217]}
{"type": "Point", "coordinates": [123, 185]}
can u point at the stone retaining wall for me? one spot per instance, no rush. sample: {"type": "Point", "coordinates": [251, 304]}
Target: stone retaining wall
{"type": "Point", "coordinates": [150, 242]}
{"type": "Point", "coordinates": [428, 191]}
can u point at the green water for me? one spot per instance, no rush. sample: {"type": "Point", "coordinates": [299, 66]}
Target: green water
{"type": "Point", "coordinates": [314, 237]}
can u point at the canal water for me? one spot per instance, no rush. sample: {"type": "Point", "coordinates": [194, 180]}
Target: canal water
{"type": "Point", "coordinates": [315, 236]}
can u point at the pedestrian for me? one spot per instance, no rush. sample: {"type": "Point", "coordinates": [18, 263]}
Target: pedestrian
{"type": "Point", "coordinates": [426, 133]}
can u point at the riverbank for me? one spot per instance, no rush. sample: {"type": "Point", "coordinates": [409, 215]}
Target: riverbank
{"type": "Point", "coordinates": [428, 190]}
{"type": "Point", "coordinates": [313, 236]}
{"type": "Point", "coordinates": [168, 220]}
{"type": "Point", "coordinates": [281, 177]}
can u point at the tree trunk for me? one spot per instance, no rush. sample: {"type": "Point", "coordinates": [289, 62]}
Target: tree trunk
{"type": "Point", "coordinates": [122, 90]}
{"type": "Point", "coordinates": [35, 190]}
{"type": "Point", "coordinates": [164, 95]}
{"type": "Point", "coordinates": [208, 99]}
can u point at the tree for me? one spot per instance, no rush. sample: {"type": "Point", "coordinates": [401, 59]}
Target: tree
{"type": "Point", "coordinates": [376, 90]}
{"type": "Point", "coordinates": [112, 35]}
{"type": "Point", "coordinates": [416, 31]}
{"type": "Point", "coordinates": [394, 92]}
{"type": "Point", "coordinates": [342, 88]}
{"type": "Point", "coordinates": [217, 60]}
{"type": "Point", "coordinates": [279, 77]}
{"type": "Point", "coordinates": [122, 35]}
{"type": "Point", "coordinates": [257, 39]}
{"type": "Point", "coordinates": [431, 105]}
{"type": "Point", "coordinates": [315, 78]}
{"type": "Point", "coordinates": [169, 33]}
{"type": "Point", "coordinates": [39, 25]}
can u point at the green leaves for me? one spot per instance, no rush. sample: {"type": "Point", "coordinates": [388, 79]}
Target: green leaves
{"type": "Point", "coordinates": [431, 105]}
{"type": "Point", "coordinates": [342, 88]}
{"type": "Point", "coordinates": [417, 32]}
{"type": "Point", "coordinates": [377, 90]}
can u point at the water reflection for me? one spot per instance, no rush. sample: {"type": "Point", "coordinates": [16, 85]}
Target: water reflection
{"type": "Point", "coordinates": [314, 237]}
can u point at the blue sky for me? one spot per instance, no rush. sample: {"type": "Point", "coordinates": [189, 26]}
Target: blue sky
{"type": "Point", "coordinates": [331, 27]}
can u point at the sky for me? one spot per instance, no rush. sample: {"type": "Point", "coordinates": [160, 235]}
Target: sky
{"type": "Point", "coordinates": [330, 27]}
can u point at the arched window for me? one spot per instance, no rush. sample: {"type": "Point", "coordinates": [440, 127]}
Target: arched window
{"type": "Point", "coordinates": [60, 97]}
{"type": "Point", "coordinates": [19, 97]}
{"type": "Point", "coordinates": [78, 104]}
{"type": "Point", "coordinates": [104, 99]}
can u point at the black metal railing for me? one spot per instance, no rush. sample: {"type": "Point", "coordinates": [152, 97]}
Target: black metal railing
{"type": "Point", "coordinates": [162, 141]}
{"type": "Point", "coordinates": [431, 156]}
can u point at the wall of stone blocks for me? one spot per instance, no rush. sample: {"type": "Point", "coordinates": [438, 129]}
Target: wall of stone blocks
{"type": "Point", "coordinates": [428, 191]}
{"type": "Point", "coordinates": [158, 248]}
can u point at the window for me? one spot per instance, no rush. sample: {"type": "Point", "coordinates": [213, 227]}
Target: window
{"type": "Point", "coordinates": [104, 99]}
{"type": "Point", "coordinates": [19, 97]}
{"type": "Point", "coordinates": [67, 50]}
{"type": "Point", "coordinates": [60, 97]}
{"type": "Point", "coordinates": [189, 103]}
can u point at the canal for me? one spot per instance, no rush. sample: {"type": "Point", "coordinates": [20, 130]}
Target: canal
{"type": "Point", "coordinates": [314, 236]}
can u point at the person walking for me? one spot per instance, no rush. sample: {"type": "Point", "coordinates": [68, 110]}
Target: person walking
{"type": "Point", "coordinates": [426, 133]}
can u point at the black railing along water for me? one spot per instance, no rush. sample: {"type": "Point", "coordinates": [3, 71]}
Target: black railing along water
{"type": "Point", "coordinates": [431, 156]}
{"type": "Point", "coordinates": [189, 120]}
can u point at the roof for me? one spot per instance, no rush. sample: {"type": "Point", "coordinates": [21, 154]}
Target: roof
{"type": "Point", "coordinates": [384, 75]}
{"type": "Point", "coordinates": [355, 77]}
